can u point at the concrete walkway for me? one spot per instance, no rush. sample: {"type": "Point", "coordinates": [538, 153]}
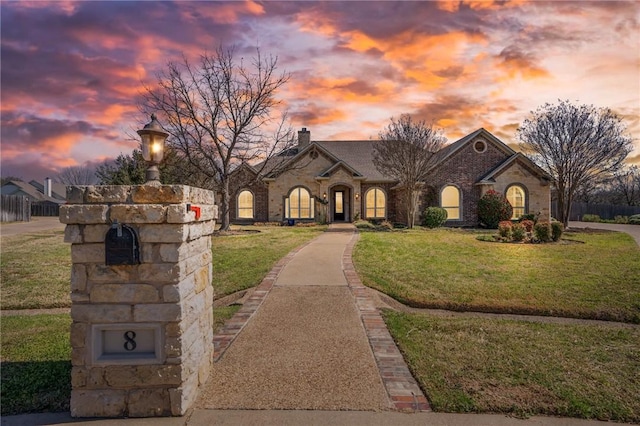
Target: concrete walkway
{"type": "Point", "coordinates": [305, 347]}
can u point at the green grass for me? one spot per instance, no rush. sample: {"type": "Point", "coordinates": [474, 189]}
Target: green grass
{"type": "Point", "coordinates": [451, 269]}
{"type": "Point", "coordinates": [35, 271]}
{"type": "Point", "coordinates": [36, 364]}
{"type": "Point", "coordinates": [521, 368]}
{"type": "Point", "coordinates": [241, 260]}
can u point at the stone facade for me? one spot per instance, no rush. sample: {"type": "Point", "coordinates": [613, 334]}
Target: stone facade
{"type": "Point", "coordinates": [167, 296]}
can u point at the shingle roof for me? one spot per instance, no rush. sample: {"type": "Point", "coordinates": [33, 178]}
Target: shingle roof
{"type": "Point", "coordinates": [30, 190]}
{"type": "Point", "coordinates": [358, 155]}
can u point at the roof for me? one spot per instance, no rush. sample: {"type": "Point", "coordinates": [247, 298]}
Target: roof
{"type": "Point", "coordinates": [33, 190]}
{"type": "Point", "coordinates": [358, 155]}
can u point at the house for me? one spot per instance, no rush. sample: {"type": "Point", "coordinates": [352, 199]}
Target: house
{"type": "Point", "coordinates": [336, 181]}
{"type": "Point", "coordinates": [45, 198]}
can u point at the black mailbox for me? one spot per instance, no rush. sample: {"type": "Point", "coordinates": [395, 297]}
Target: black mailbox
{"type": "Point", "coordinates": [121, 246]}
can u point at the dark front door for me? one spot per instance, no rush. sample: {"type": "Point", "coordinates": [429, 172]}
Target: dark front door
{"type": "Point", "coordinates": [338, 206]}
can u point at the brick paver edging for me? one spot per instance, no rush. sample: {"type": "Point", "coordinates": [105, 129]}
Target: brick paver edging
{"type": "Point", "coordinates": [403, 390]}
{"type": "Point", "coordinates": [232, 327]}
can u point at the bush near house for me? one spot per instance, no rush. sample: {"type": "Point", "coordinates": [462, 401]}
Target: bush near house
{"type": "Point", "coordinates": [434, 217]}
{"type": "Point", "coordinates": [635, 219]}
{"type": "Point", "coordinates": [556, 231]}
{"type": "Point", "coordinates": [493, 208]}
{"type": "Point", "coordinates": [542, 232]}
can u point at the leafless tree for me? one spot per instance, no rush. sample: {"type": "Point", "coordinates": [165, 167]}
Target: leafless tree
{"type": "Point", "coordinates": [77, 175]}
{"type": "Point", "coordinates": [221, 113]}
{"type": "Point", "coordinates": [625, 184]}
{"type": "Point", "coordinates": [575, 145]}
{"type": "Point", "coordinates": [405, 153]}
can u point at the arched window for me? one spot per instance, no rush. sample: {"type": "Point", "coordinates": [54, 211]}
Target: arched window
{"type": "Point", "coordinates": [450, 201]}
{"type": "Point", "coordinates": [245, 205]}
{"type": "Point", "coordinates": [517, 197]}
{"type": "Point", "coordinates": [299, 204]}
{"type": "Point", "coordinates": [375, 204]}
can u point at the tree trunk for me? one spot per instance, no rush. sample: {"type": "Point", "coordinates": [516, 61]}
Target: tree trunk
{"type": "Point", "coordinates": [225, 221]}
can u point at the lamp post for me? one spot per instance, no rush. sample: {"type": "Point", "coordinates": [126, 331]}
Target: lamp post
{"type": "Point", "coordinates": [153, 137]}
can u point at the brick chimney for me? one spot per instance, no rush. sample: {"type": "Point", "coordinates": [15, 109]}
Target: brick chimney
{"type": "Point", "coordinates": [304, 137]}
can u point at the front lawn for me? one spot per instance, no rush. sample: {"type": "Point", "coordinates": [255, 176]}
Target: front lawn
{"type": "Point", "coordinates": [35, 271]}
{"type": "Point", "coordinates": [36, 364]}
{"type": "Point", "coordinates": [448, 268]}
{"type": "Point", "coordinates": [522, 368]}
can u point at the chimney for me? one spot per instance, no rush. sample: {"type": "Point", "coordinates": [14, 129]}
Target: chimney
{"type": "Point", "coordinates": [304, 137]}
{"type": "Point", "coordinates": [47, 187]}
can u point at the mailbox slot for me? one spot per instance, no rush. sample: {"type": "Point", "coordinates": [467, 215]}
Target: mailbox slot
{"type": "Point", "coordinates": [121, 245]}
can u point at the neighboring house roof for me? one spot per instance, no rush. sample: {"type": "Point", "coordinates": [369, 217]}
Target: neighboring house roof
{"type": "Point", "coordinates": [33, 192]}
{"type": "Point", "coordinates": [58, 190]}
{"type": "Point", "coordinates": [489, 178]}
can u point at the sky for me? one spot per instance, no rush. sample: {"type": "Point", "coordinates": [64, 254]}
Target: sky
{"type": "Point", "coordinates": [72, 73]}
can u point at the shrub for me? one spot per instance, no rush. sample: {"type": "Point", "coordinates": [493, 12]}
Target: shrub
{"type": "Point", "coordinates": [529, 216]}
{"type": "Point", "coordinates": [518, 232]}
{"type": "Point", "coordinates": [527, 224]}
{"type": "Point", "coordinates": [542, 232]}
{"type": "Point", "coordinates": [385, 225]}
{"type": "Point", "coordinates": [591, 218]}
{"type": "Point", "coordinates": [493, 208]}
{"type": "Point", "coordinates": [635, 219]}
{"type": "Point", "coordinates": [621, 219]}
{"type": "Point", "coordinates": [504, 229]}
{"type": "Point", "coordinates": [556, 231]}
{"type": "Point", "coordinates": [364, 224]}
{"type": "Point", "coordinates": [434, 217]}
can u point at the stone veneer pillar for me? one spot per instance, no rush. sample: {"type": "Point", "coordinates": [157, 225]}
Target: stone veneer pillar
{"type": "Point", "coordinates": [161, 307]}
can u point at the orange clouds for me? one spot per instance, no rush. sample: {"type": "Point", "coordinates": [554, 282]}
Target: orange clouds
{"type": "Point", "coordinates": [456, 5]}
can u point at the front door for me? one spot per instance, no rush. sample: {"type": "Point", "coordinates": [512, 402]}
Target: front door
{"type": "Point", "coordinates": [338, 206]}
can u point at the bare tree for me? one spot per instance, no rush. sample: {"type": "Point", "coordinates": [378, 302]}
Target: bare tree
{"type": "Point", "coordinates": [77, 175]}
{"type": "Point", "coordinates": [405, 153]}
{"type": "Point", "coordinates": [222, 113]}
{"type": "Point", "coordinates": [625, 184]}
{"type": "Point", "coordinates": [575, 145]}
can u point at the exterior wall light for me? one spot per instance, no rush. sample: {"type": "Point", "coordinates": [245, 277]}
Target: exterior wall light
{"type": "Point", "coordinates": [153, 137]}
{"type": "Point", "coordinates": [357, 196]}
{"type": "Point", "coordinates": [324, 196]}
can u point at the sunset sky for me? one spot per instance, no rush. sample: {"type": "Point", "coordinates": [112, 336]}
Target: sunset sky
{"type": "Point", "coordinates": [72, 72]}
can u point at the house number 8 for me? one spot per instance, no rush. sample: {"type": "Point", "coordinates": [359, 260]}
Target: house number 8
{"type": "Point", "coordinates": [130, 343]}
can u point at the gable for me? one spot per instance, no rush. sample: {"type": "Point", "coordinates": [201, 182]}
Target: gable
{"type": "Point", "coordinates": [479, 136]}
{"type": "Point", "coordinates": [518, 159]}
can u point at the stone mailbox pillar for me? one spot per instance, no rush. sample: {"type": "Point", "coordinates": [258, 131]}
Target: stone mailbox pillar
{"type": "Point", "coordinates": [142, 336]}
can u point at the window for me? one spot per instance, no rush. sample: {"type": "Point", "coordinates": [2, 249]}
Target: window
{"type": "Point", "coordinates": [450, 201]}
{"type": "Point", "coordinates": [517, 198]}
{"type": "Point", "coordinates": [480, 146]}
{"type": "Point", "coordinates": [299, 204]}
{"type": "Point", "coordinates": [245, 205]}
{"type": "Point", "coordinates": [375, 204]}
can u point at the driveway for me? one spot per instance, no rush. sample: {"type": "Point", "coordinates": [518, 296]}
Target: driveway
{"type": "Point", "coordinates": [37, 224]}
{"type": "Point", "coordinates": [633, 230]}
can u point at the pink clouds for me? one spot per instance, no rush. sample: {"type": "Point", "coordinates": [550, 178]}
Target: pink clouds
{"type": "Point", "coordinates": [73, 71]}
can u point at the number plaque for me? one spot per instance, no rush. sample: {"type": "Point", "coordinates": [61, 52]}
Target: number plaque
{"type": "Point", "coordinates": [126, 344]}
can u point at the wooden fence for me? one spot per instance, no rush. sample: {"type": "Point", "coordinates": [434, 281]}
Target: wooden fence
{"type": "Point", "coordinates": [15, 208]}
{"type": "Point", "coordinates": [45, 208]}
{"type": "Point", "coordinates": [605, 211]}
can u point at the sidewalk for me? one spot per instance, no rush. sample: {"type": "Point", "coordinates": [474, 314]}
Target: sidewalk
{"type": "Point", "coordinates": [308, 348]}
